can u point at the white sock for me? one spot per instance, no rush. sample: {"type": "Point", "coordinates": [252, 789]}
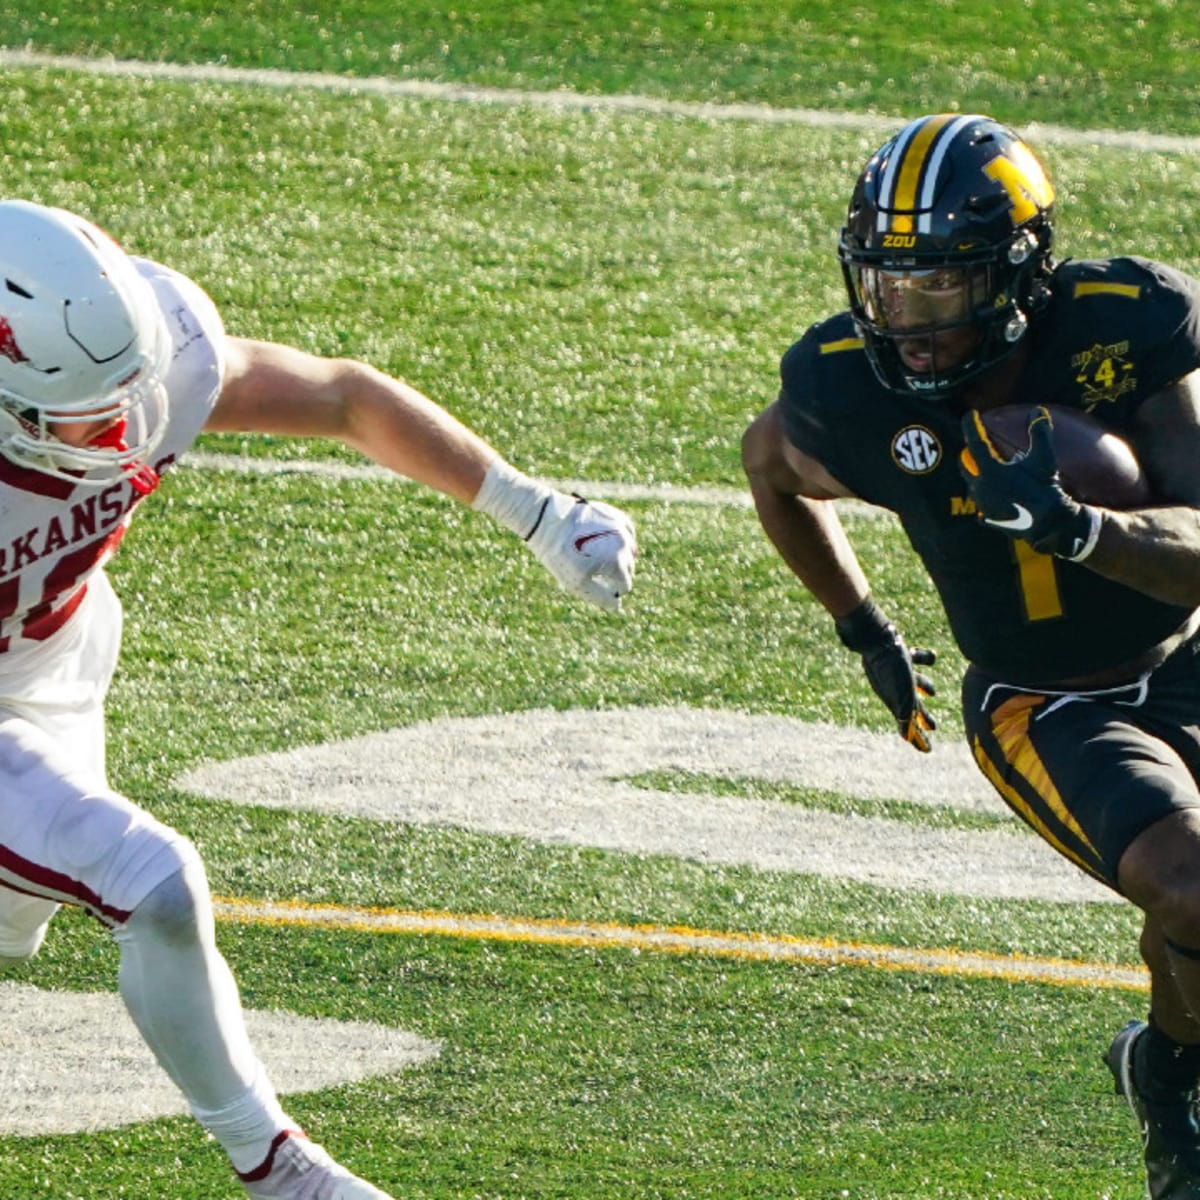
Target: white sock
{"type": "Point", "coordinates": [183, 999]}
{"type": "Point", "coordinates": [247, 1127]}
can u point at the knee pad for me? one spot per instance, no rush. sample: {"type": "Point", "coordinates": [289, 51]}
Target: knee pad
{"type": "Point", "coordinates": [178, 910]}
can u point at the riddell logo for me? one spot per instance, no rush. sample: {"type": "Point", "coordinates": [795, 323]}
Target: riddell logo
{"type": "Point", "coordinates": [8, 343]}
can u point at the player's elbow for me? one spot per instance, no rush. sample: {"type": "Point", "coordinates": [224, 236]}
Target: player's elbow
{"type": "Point", "coordinates": [759, 447]}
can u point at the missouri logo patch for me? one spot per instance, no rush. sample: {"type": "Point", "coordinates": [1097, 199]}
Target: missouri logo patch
{"type": "Point", "coordinates": [915, 450]}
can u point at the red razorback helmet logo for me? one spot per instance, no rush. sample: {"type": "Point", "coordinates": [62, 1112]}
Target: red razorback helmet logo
{"type": "Point", "coordinates": [8, 343]}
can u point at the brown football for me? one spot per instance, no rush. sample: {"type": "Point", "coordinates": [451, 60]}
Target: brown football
{"type": "Point", "coordinates": [1096, 465]}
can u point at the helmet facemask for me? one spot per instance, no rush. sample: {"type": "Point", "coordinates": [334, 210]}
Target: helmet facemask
{"type": "Point", "coordinates": [130, 423]}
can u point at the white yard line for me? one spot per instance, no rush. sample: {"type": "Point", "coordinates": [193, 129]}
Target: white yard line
{"type": "Point", "coordinates": [558, 99]}
{"type": "Point", "coordinates": [661, 492]}
{"type": "Point", "coordinates": [704, 495]}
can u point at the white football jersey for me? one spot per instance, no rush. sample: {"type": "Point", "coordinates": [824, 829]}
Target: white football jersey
{"type": "Point", "coordinates": [54, 534]}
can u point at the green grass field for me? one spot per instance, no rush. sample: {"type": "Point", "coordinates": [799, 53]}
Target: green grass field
{"type": "Point", "coordinates": [605, 296]}
{"type": "Point", "coordinates": [1124, 64]}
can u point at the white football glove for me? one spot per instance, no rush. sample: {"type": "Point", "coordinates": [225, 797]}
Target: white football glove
{"type": "Point", "coordinates": [587, 545]}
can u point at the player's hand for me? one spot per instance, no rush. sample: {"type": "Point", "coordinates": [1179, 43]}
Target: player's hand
{"type": "Point", "coordinates": [588, 546]}
{"type": "Point", "coordinates": [1024, 497]}
{"type": "Point", "coordinates": [890, 665]}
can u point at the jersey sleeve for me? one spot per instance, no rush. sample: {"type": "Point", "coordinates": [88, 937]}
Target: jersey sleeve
{"type": "Point", "coordinates": [819, 387]}
{"type": "Point", "coordinates": [208, 319]}
{"type": "Point", "coordinates": [199, 356]}
{"type": "Point", "coordinates": [1119, 330]}
{"type": "Point", "coordinates": [1173, 333]}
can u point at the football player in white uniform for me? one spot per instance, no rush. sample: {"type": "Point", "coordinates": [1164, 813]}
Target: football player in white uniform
{"type": "Point", "coordinates": [110, 366]}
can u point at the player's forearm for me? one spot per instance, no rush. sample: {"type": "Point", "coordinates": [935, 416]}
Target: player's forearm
{"type": "Point", "coordinates": [810, 539]}
{"type": "Point", "coordinates": [1153, 550]}
{"type": "Point", "coordinates": [402, 429]}
{"type": "Point", "coordinates": [269, 388]}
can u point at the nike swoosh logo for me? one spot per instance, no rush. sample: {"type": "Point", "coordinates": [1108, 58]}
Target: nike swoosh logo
{"type": "Point", "coordinates": [1018, 524]}
{"type": "Point", "coordinates": [581, 542]}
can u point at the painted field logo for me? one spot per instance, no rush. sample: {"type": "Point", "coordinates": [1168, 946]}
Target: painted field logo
{"type": "Point", "coordinates": [567, 778]}
{"type": "Point", "coordinates": [916, 450]}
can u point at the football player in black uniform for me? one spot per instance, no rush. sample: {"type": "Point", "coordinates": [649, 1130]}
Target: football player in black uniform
{"type": "Point", "coordinates": [1080, 623]}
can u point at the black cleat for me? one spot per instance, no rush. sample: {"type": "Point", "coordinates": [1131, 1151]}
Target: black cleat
{"type": "Point", "coordinates": [1170, 1130]}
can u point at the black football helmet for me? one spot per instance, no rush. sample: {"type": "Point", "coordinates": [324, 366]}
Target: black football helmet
{"type": "Point", "coordinates": [949, 229]}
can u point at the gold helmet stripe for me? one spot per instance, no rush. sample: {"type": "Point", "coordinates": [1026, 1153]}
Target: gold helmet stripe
{"type": "Point", "coordinates": [908, 184]}
{"type": "Point", "coordinates": [936, 154]}
{"type": "Point", "coordinates": [902, 175]}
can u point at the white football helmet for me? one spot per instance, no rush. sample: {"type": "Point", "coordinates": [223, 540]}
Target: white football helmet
{"type": "Point", "coordinates": [82, 339]}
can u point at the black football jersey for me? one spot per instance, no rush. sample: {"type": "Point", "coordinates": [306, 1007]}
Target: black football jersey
{"type": "Point", "coordinates": [1116, 330]}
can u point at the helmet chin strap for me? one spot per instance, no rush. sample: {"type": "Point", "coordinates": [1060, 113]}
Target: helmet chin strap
{"type": "Point", "coordinates": [143, 478]}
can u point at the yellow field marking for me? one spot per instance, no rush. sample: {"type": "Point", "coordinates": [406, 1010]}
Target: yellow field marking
{"type": "Point", "coordinates": [967, 964]}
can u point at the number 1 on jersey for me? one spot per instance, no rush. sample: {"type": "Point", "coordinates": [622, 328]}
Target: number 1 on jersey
{"type": "Point", "coordinates": [1038, 575]}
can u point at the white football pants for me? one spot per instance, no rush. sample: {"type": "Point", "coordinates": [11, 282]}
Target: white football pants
{"type": "Point", "coordinates": [67, 838]}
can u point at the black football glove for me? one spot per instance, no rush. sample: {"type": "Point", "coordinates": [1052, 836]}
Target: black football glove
{"type": "Point", "coordinates": [888, 663]}
{"type": "Point", "coordinates": [1024, 497]}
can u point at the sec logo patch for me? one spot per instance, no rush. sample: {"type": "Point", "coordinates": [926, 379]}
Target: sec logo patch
{"type": "Point", "coordinates": [916, 450]}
